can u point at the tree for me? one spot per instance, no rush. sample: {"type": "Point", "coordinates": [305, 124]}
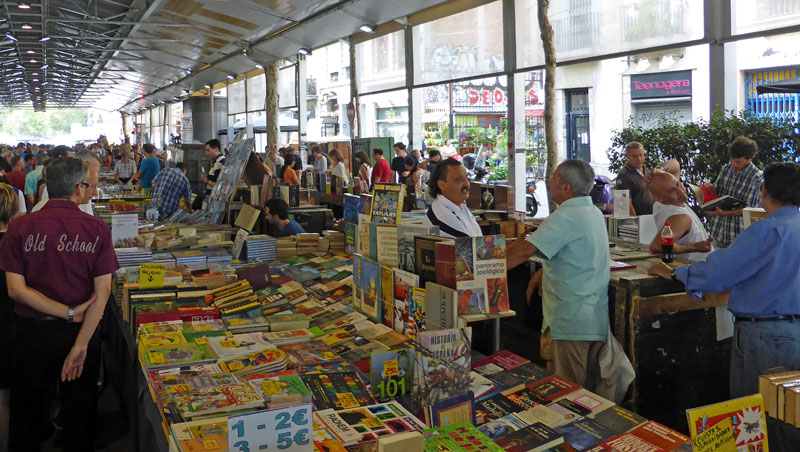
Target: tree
{"type": "Point", "coordinates": [546, 31]}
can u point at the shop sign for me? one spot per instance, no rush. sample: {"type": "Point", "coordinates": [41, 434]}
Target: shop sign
{"type": "Point", "coordinates": [664, 84]}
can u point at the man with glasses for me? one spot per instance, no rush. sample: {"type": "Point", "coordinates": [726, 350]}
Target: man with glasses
{"type": "Point", "coordinates": [90, 184]}
{"type": "Point", "coordinates": [55, 331]}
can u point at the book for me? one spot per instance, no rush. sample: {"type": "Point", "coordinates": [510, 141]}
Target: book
{"type": "Point", "coordinates": [425, 256]}
{"type": "Point", "coordinates": [417, 311]}
{"type": "Point", "coordinates": [401, 442]}
{"type": "Point", "coordinates": [533, 438]}
{"type": "Point", "coordinates": [350, 237]}
{"type": "Point", "coordinates": [308, 353]}
{"type": "Point", "coordinates": [406, 253]}
{"type": "Point", "coordinates": [265, 361]}
{"type": "Point", "coordinates": [392, 374]}
{"type": "Point", "coordinates": [458, 437]}
{"type": "Point", "coordinates": [768, 387]}
{"type": "Point", "coordinates": [584, 433]}
{"type": "Point", "coordinates": [177, 355]}
{"type": "Point", "coordinates": [369, 422]}
{"type": "Point", "coordinates": [494, 407]}
{"type": "Point", "coordinates": [206, 435]}
{"type": "Point", "coordinates": [238, 344]}
{"type": "Point", "coordinates": [387, 203]}
{"type": "Point", "coordinates": [503, 359]}
{"type": "Point", "coordinates": [658, 435]}
{"type": "Point", "coordinates": [619, 419]}
{"type": "Point", "coordinates": [387, 296]}
{"type": "Point", "coordinates": [404, 282]}
{"type": "Point", "coordinates": [352, 207]}
{"type": "Point", "coordinates": [724, 203]}
{"type": "Point", "coordinates": [553, 387]}
{"type": "Point", "coordinates": [546, 415]}
{"type": "Point", "coordinates": [337, 390]}
{"type": "Point", "coordinates": [503, 426]}
{"type": "Point", "coordinates": [525, 397]}
{"type": "Point", "coordinates": [479, 384]}
{"type": "Point", "coordinates": [221, 399]}
{"type": "Point", "coordinates": [284, 321]}
{"type": "Point", "coordinates": [158, 340]}
{"type": "Point", "coordinates": [442, 365]}
{"type": "Point", "coordinates": [587, 403]}
{"type": "Point", "coordinates": [280, 389]}
{"type": "Point", "coordinates": [371, 287]}
{"type": "Point", "coordinates": [452, 410]}
{"type": "Point", "coordinates": [441, 307]}
{"type": "Point", "coordinates": [739, 423]}
{"type": "Point", "coordinates": [523, 374]}
{"type": "Point", "coordinates": [386, 237]}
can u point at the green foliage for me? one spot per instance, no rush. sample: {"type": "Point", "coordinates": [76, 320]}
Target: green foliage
{"type": "Point", "coordinates": [30, 124]}
{"type": "Point", "coordinates": [701, 147]}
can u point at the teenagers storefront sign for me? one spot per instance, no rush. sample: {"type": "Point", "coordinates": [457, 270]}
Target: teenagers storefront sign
{"type": "Point", "coordinates": [665, 84]}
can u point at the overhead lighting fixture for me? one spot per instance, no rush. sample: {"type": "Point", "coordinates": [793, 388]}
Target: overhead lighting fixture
{"type": "Point", "coordinates": [30, 52]}
{"type": "Point", "coordinates": [259, 66]}
{"type": "Point", "coordinates": [230, 77]}
{"type": "Point", "coordinates": [207, 86]}
{"type": "Point", "coordinates": [45, 66]}
{"type": "Point", "coordinates": [304, 51]}
{"type": "Point", "coordinates": [11, 37]}
{"type": "Point", "coordinates": [45, 83]}
{"type": "Point", "coordinates": [33, 61]}
{"type": "Point", "coordinates": [44, 38]}
{"type": "Point", "coordinates": [367, 28]}
{"type": "Point", "coordinates": [668, 60]}
{"type": "Point", "coordinates": [35, 80]}
{"type": "Point", "coordinates": [35, 73]}
{"type": "Point", "coordinates": [27, 27]}
{"type": "Point", "coordinates": [24, 5]}
{"type": "Point", "coordinates": [643, 64]}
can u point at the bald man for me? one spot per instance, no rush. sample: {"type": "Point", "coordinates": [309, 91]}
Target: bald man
{"type": "Point", "coordinates": [691, 239]}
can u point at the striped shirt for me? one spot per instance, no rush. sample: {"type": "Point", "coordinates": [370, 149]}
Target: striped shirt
{"type": "Point", "coordinates": [125, 170]}
{"type": "Point", "coordinates": [745, 186]}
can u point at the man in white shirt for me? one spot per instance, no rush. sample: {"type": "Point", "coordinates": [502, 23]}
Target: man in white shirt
{"type": "Point", "coordinates": [449, 188]}
{"type": "Point", "coordinates": [691, 239]}
{"type": "Point", "coordinates": [93, 178]}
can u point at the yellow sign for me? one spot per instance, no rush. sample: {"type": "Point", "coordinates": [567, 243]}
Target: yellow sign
{"type": "Point", "coordinates": [390, 368]}
{"type": "Point", "coordinates": [151, 275]}
{"type": "Point", "coordinates": [718, 438]}
{"type": "Point", "coordinates": [347, 399]}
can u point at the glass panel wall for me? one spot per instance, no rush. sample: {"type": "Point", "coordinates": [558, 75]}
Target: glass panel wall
{"type": "Point", "coordinates": [756, 15]}
{"type": "Point", "coordinates": [256, 93]}
{"type": "Point", "coordinates": [381, 63]}
{"type": "Point", "coordinates": [385, 115]}
{"type": "Point", "coordinates": [236, 96]}
{"type": "Point", "coordinates": [328, 91]}
{"type": "Point", "coordinates": [462, 45]}
{"type": "Point", "coordinates": [287, 86]}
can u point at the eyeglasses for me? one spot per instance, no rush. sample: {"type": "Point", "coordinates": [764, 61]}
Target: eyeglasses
{"type": "Point", "coordinates": [88, 185]}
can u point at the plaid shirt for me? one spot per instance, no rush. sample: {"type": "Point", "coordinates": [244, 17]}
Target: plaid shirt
{"type": "Point", "coordinates": [745, 186]}
{"type": "Point", "coordinates": [124, 170]}
{"type": "Point", "coordinates": [170, 186]}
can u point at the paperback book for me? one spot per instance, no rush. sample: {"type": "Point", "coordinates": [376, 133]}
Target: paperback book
{"type": "Point", "coordinates": [442, 366]}
{"type": "Point", "coordinates": [387, 203]}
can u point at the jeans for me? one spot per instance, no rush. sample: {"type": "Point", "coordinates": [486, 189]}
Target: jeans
{"type": "Point", "coordinates": [38, 354]}
{"type": "Point", "coordinates": [759, 346]}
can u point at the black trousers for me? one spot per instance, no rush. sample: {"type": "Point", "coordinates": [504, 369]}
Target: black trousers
{"type": "Point", "coordinates": [38, 353]}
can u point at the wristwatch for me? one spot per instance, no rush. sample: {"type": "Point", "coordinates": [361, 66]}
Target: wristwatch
{"type": "Point", "coordinates": [674, 274]}
{"type": "Point", "coordinates": [71, 315]}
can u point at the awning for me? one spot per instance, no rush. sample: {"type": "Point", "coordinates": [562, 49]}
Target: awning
{"type": "Point", "coordinates": [783, 86]}
{"type": "Point", "coordinates": [537, 113]}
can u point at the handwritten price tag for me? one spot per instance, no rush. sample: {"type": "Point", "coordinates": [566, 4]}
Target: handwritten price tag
{"type": "Point", "coordinates": [391, 368]}
{"type": "Point", "coordinates": [151, 275]}
{"type": "Point", "coordinates": [284, 429]}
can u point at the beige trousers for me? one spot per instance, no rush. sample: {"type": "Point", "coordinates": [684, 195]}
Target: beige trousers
{"type": "Point", "coordinates": [576, 361]}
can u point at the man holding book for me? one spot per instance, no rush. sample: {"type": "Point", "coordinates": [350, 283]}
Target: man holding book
{"type": "Point", "coordinates": [573, 282]}
{"type": "Point", "coordinates": [739, 179]}
{"type": "Point", "coordinates": [55, 329]}
{"type": "Point", "coordinates": [760, 268]}
{"type": "Point", "coordinates": [449, 189]}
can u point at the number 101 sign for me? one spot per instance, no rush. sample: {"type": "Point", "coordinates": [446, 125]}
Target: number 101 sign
{"type": "Point", "coordinates": [281, 429]}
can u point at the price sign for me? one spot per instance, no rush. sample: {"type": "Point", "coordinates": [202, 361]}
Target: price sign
{"type": "Point", "coordinates": [151, 275]}
{"type": "Point", "coordinates": [390, 368]}
{"type": "Point", "coordinates": [281, 429]}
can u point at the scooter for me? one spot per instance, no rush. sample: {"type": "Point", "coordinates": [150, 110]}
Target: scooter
{"type": "Point", "coordinates": [531, 204]}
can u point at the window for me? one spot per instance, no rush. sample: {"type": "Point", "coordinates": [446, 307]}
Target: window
{"type": "Point", "coordinates": [334, 77]}
{"type": "Point", "coordinates": [236, 97]}
{"type": "Point", "coordinates": [464, 44]}
{"type": "Point", "coordinates": [381, 63]}
{"type": "Point", "coordinates": [385, 115]}
{"type": "Point", "coordinates": [256, 92]}
{"type": "Point", "coordinates": [287, 87]}
{"type": "Point", "coordinates": [755, 15]}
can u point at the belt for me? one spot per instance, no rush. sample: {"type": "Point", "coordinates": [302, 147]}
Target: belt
{"type": "Point", "coordinates": [776, 318]}
{"type": "Point", "coordinates": [44, 318]}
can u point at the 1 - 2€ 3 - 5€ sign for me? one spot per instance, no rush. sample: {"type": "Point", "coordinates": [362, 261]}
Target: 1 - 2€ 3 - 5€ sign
{"type": "Point", "coordinates": [287, 429]}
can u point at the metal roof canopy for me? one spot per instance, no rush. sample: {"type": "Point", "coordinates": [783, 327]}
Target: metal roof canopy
{"type": "Point", "coordinates": [151, 51]}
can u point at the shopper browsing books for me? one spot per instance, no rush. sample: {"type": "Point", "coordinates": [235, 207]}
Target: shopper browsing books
{"type": "Point", "coordinates": [632, 177]}
{"type": "Point", "coordinates": [58, 265]}
{"type": "Point", "coordinates": [760, 268]}
{"type": "Point", "coordinates": [125, 170]}
{"type": "Point", "coordinates": [289, 174]}
{"type": "Point", "coordinates": [169, 186]}
{"type": "Point", "coordinates": [691, 239]}
{"type": "Point", "coordinates": [276, 211]}
{"type": "Point", "coordinates": [574, 278]}
{"type": "Point", "coordinates": [449, 188]}
{"type": "Point", "coordinates": [739, 179]}
{"type": "Point", "coordinates": [149, 167]}
{"type": "Point", "coordinates": [381, 172]}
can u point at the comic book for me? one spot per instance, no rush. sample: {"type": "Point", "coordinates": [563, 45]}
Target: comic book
{"type": "Point", "coordinates": [238, 344]}
{"type": "Point", "coordinates": [207, 435]}
{"type": "Point", "coordinates": [369, 422]}
{"type": "Point", "coordinates": [371, 288]}
{"type": "Point", "coordinates": [404, 282]}
{"type": "Point", "coordinates": [739, 423]}
{"type": "Point", "coordinates": [442, 366]}
{"type": "Point", "coordinates": [281, 389]}
{"type": "Point", "coordinates": [220, 399]}
{"type": "Point", "coordinates": [417, 312]}
{"type": "Point", "coordinates": [387, 203]}
{"type": "Point", "coordinates": [178, 355]}
{"type": "Point", "coordinates": [337, 390]}
{"type": "Point", "coordinates": [458, 437]}
{"type": "Point", "coordinates": [392, 374]}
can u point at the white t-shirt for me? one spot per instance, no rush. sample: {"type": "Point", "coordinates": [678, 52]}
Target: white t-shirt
{"type": "Point", "coordinates": [697, 233]}
{"type": "Point", "coordinates": [88, 207]}
{"type": "Point", "coordinates": [448, 151]}
{"type": "Point", "coordinates": [340, 172]}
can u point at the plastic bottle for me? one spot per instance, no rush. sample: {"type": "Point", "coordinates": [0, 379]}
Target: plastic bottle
{"type": "Point", "coordinates": [667, 243]}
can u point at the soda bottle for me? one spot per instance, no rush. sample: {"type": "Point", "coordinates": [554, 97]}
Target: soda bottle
{"type": "Point", "coordinates": [667, 242]}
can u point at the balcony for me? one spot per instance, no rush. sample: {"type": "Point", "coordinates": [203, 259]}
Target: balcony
{"type": "Point", "coordinates": [647, 19]}
{"type": "Point", "coordinates": [579, 30]}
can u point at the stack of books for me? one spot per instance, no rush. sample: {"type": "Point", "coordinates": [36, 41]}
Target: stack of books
{"type": "Point", "coordinates": [261, 247]}
{"type": "Point", "coordinates": [263, 362]}
{"type": "Point", "coordinates": [132, 257]}
{"type": "Point", "coordinates": [165, 258]}
{"type": "Point", "coordinates": [218, 256]}
{"type": "Point", "coordinates": [286, 246]}
{"type": "Point", "coordinates": [307, 243]}
{"type": "Point", "coordinates": [193, 258]}
{"type": "Point", "coordinates": [336, 240]}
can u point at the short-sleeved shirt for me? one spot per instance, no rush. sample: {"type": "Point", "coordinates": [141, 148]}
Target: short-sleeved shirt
{"type": "Point", "coordinates": [214, 172]}
{"type": "Point", "coordinates": [574, 244]}
{"type": "Point", "coordinates": [381, 172]}
{"type": "Point", "coordinates": [321, 164]}
{"type": "Point", "coordinates": [59, 250]}
{"type": "Point", "coordinates": [32, 180]}
{"type": "Point", "coordinates": [398, 166]}
{"type": "Point", "coordinates": [149, 169]}
{"type": "Point", "coordinates": [125, 170]}
{"type": "Point", "coordinates": [170, 186]}
{"type": "Point", "coordinates": [630, 179]}
{"type": "Point", "coordinates": [17, 179]}
{"type": "Point", "coordinates": [293, 228]}
{"type": "Point", "coordinates": [745, 185]}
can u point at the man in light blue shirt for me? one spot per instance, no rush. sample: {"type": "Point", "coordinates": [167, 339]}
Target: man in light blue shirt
{"type": "Point", "coordinates": [573, 244]}
{"type": "Point", "coordinates": [761, 268]}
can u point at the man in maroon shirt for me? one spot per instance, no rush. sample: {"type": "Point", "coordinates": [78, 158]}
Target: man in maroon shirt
{"type": "Point", "coordinates": [16, 178]}
{"type": "Point", "coordinates": [381, 172]}
{"type": "Point", "coordinates": [58, 263]}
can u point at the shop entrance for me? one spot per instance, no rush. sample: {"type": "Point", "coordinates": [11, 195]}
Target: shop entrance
{"type": "Point", "coordinates": [578, 141]}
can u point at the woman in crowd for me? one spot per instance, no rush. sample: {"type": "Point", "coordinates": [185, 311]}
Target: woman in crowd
{"type": "Point", "coordinates": [289, 174]}
{"type": "Point", "coordinates": [9, 206]}
{"type": "Point", "coordinates": [338, 167]}
{"type": "Point", "coordinates": [414, 180]}
{"type": "Point", "coordinates": [364, 169]}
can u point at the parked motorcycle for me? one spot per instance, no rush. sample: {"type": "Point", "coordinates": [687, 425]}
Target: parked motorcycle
{"type": "Point", "coordinates": [531, 204]}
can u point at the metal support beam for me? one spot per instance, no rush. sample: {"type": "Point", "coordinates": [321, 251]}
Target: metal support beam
{"type": "Point", "coordinates": [302, 105]}
{"type": "Point", "coordinates": [516, 111]}
{"type": "Point", "coordinates": [717, 14]}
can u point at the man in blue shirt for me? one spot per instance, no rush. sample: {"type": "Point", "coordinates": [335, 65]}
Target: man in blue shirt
{"type": "Point", "coordinates": [276, 211]}
{"type": "Point", "coordinates": [149, 167]}
{"type": "Point", "coordinates": [761, 270]}
{"type": "Point", "coordinates": [573, 244]}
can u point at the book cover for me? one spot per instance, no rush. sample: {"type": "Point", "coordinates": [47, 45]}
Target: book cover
{"type": "Point", "coordinates": [441, 307]}
{"type": "Point", "coordinates": [546, 415]}
{"type": "Point", "coordinates": [263, 361]}
{"type": "Point", "coordinates": [352, 207]}
{"type": "Point", "coordinates": [280, 389]}
{"type": "Point", "coordinates": [458, 437]}
{"type": "Point", "coordinates": [362, 235]}
{"type": "Point", "coordinates": [503, 359]}
{"type": "Point", "coordinates": [386, 237]}
{"type": "Point", "coordinates": [392, 374]}
{"type": "Point", "coordinates": [660, 436]}
{"type": "Point", "coordinates": [178, 355]}
{"type": "Point", "coordinates": [533, 438]}
{"type": "Point", "coordinates": [446, 264]}
{"type": "Point", "coordinates": [553, 387]}
{"type": "Point", "coordinates": [724, 203]}
{"type": "Point", "coordinates": [387, 296]}
{"type": "Point", "coordinates": [337, 390]}
{"type": "Point", "coordinates": [480, 385]}
{"type": "Point", "coordinates": [350, 236]}
{"type": "Point", "coordinates": [523, 374]}
{"type": "Point", "coordinates": [586, 400]}
{"type": "Point", "coordinates": [159, 340]}
{"type": "Point", "coordinates": [525, 397]}
{"type": "Point", "coordinates": [481, 277]}
{"type": "Point", "coordinates": [501, 427]}
{"type": "Point", "coordinates": [207, 435]}
{"type": "Point", "coordinates": [371, 287]}
{"type": "Point", "coordinates": [453, 410]}
{"type": "Point", "coordinates": [739, 421]}
{"type": "Point", "coordinates": [238, 344]}
{"type": "Point", "coordinates": [308, 353]}
{"type": "Point", "coordinates": [584, 433]}
{"type": "Point", "coordinates": [125, 230]}
{"type": "Point", "coordinates": [442, 365]}
{"type": "Point", "coordinates": [404, 283]}
{"type": "Point", "coordinates": [406, 253]}
{"type": "Point", "coordinates": [387, 203]}
{"type": "Point", "coordinates": [619, 419]}
{"type": "Point", "coordinates": [373, 421]}
{"type": "Point", "coordinates": [425, 257]}
{"type": "Point", "coordinates": [219, 399]}
{"type": "Point", "coordinates": [495, 407]}
{"type": "Point", "coordinates": [391, 339]}
{"type": "Point", "coordinates": [417, 310]}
